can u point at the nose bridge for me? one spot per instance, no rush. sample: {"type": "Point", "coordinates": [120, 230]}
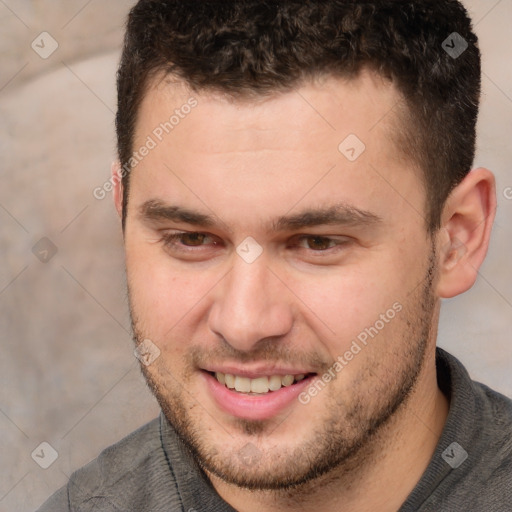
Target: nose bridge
{"type": "Point", "coordinates": [250, 306]}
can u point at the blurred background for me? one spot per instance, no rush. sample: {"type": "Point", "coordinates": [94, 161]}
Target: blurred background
{"type": "Point", "coordinates": [67, 371]}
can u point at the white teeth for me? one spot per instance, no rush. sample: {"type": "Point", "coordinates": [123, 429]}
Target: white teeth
{"type": "Point", "coordinates": [274, 383]}
{"type": "Point", "coordinates": [242, 384]}
{"type": "Point", "coordinates": [287, 380]}
{"type": "Point", "coordinates": [229, 381]}
{"type": "Point", "coordinates": [261, 385]}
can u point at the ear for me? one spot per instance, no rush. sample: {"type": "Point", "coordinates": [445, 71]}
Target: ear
{"type": "Point", "coordinates": [466, 225]}
{"type": "Point", "coordinates": [117, 191]}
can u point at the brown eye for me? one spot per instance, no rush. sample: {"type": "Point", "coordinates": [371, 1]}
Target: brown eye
{"type": "Point", "coordinates": [193, 239]}
{"type": "Point", "coordinates": [191, 245]}
{"type": "Point", "coordinates": [187, 239]}
{"type": "Point", "coordinates": [319, 243]}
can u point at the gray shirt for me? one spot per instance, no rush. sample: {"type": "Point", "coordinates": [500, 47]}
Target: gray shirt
{"type": "Point", "coordinates": [152, 471]}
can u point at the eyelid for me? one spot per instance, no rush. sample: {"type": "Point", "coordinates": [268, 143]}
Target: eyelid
{"type": "Point", "coordinates": [337, 244]}
{"type": "Point", "coordinates": [171, 241]}
{"type": "Point", "coordinates": [171, 238]}
{"type": "Point", "coordinates": [333, 238]}
{"type": "Point", "coordinates": [339, 238]}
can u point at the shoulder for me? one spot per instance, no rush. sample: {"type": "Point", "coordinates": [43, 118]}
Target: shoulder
{"type": "Point", "coordinates": [478, 433]}
{"type": "Point", "coordinates": [496, 427]}
{"type": "Point", "coordinates": [501, 405]}
{"type": "Point", "coordinates": [123, 477]}
{"type": "Point", "coordinates": [484, 480]}
{"type": "Point", "coordinates": [117, 461]}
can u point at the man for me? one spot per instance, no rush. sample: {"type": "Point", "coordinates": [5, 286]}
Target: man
{"type": "Point", "coordinates": [296, 197]}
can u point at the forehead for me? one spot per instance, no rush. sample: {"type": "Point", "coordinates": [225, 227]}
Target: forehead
{"type": "Point", "coordinates": [362, 104]}
{"type": "Point", "coordinates": [328, 139]}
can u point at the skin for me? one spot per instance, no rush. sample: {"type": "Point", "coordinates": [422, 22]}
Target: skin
{"type": "Point", "coordinates": [370, 433]}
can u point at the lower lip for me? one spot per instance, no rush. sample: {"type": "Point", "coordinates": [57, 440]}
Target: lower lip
{"type": "Point", "coordinates": [254, 407]}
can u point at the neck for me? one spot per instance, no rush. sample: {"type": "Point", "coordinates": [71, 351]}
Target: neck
{"type": "Point", "coordinates": [395, 459]}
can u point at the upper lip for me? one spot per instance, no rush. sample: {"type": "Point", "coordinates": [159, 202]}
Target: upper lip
{"type": "Point", "coordinates": [255, 372]}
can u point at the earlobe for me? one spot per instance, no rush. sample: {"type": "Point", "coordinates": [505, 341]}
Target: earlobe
{"type": "Point", "coordinates": [466, 226]}
{"type": "Point", "coordinates": [117, 190]}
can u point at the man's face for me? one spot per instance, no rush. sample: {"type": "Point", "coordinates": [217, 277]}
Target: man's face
{"type": "Point", "coordinates": [338, 268]}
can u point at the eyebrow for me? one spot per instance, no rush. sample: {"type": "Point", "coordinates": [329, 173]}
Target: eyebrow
{"type": "Point", "coordinates": [341, 214]}
{"type": "Point", "coordinates": [157, 211]}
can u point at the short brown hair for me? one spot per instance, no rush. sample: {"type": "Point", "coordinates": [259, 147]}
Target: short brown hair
{"type": "Point", "coordinates": [247, 48]}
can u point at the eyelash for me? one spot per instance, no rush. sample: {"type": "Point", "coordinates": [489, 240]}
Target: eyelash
{"type": "Point", "coordinates": [171, 241]}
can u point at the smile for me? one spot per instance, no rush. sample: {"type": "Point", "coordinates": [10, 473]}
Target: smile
{"type": "Point", "coordinates": [258, 397]}
{"type": "Point", "coordinates": [260, 385]}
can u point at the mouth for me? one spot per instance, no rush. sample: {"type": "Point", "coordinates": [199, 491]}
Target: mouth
{"type": "Point", "coordinates": [259, 385]}
{"type": "Point", "coordinates": [255, 397]}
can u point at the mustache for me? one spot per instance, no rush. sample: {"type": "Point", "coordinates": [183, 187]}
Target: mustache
{"type": "Point", "coordinates": [268, 351]}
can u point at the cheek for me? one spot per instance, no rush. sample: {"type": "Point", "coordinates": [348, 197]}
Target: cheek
{"type": "Point", "coordinates": [162, 297]}
{"type": "Point", "coordinates": [169, 302]}
{"type": "Point", "coordinates": [341, 304]}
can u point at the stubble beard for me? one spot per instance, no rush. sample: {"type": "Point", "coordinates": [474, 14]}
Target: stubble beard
{"type": "Point", "coordinates": [341, 442]}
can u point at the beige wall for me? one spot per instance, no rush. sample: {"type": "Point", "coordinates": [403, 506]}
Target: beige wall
{"type": "Point", "coordinates": [68, 376]}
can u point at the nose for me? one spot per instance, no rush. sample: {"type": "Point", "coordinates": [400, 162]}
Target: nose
{"type": "Point", "coordinates": [250, 305]}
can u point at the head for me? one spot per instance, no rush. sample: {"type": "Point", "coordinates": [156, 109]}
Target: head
{"type": "Point", "coordinates": [252, 50]}
{"type": "Point", "coordinates": [299, 209]}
